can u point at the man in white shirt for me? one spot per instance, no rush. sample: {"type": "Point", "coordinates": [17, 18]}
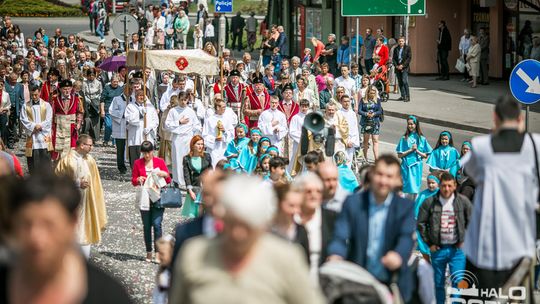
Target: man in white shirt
{"type": "Point", "coordinates": [36, 118]}
{"type": "Point", "coordinates": [183, 123]}
{"type": "Point", "coordinates": [117, 111]}
{"type": "Point", "coordinates": [218, 130]}
{"type": "Point", "coordinates": [464, 45]}
{"type": "Point", "coordinates": [346, 81]}
{"type": "Point", "coordinates": [141, 124]}
{"type": "Point", "coordinates": [295, 133]}
{"type": "Point", "coordinates": [209, 32]}
{"type": "Point", "coordinates": [273, 124]}
{"type": "Point", "coordinates": [353, 141]}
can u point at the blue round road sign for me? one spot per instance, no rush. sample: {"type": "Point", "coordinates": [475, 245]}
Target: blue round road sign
{"type": "Point", "coordinates": [525, 81]}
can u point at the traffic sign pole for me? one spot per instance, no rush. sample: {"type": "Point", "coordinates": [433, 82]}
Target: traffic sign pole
{"type": "Point", "coordinates": [525, 84]}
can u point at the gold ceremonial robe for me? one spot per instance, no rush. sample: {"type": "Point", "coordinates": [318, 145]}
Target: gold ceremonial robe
{"type": "Point", "coordinates": [92, 213]}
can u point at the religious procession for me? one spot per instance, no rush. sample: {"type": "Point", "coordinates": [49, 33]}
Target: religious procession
{"type": "Point", "coordinates": [256, 175]}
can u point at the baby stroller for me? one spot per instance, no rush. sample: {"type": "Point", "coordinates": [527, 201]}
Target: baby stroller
{"type": "Point", "coordinates": [344, 282]}
{"type": "Point", "coordinates": [379, 79]}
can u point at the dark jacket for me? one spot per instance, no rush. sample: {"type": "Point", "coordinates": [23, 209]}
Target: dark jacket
{"type": "Point", "coordinates": [192, 177]}
{"type": "Point", "coordinates": [363, 111]}
{"type": "Point", "coordinates": [185, 231]}
{"type": "Point", "coordinates": [351, 234]}
{"type": "Point", "coordinates": [101, 287]}
{"type": "Point", "coordinates": [328, 219]}
{"type": "Point", "coordinates": [301, 238]}
{"type": "Point", "coordinates": [406, 56]}
{"type": "Point", "coordinates": [268, 50]}
{"type": "Point", "coordinates": [268, 85]}
{"type": "Point", "coordinates": [237, 24]}
{"type": "Point", "coordinates": [466, 187]}
{"type": "Point", "coordinates": [446, 39]}
{"type": "Point", "coordinates": [429, 218]}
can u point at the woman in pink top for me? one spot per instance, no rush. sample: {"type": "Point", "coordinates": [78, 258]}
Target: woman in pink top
{"type": "Point", "coordinates": [153, 216]}
{"type": "Point", "coordinates": [321, 78]}
{"type": "Point", "coordinates": [319, 47]}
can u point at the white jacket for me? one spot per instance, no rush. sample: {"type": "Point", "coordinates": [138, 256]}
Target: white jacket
{"type": "Point", "coordinates": [117, 110]}
{"type": "Point", "coordinates": [136, 132]}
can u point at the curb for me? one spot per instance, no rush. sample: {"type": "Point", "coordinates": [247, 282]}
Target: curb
{"type": "Point", "coordinates": [440, 122]}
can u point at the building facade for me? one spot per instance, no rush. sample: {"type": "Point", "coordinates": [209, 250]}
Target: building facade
{"type": "Point", "coordinates": [512, 26]}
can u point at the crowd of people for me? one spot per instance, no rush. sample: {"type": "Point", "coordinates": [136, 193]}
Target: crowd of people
{"type": "Point", "coordinates": [265, 217]}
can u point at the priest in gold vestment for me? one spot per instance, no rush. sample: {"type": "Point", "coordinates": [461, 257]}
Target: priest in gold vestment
{"type": "Point", "coordinates": [82, 168]}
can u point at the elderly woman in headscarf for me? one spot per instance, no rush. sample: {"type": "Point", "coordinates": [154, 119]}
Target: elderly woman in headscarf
{"type": "Point", "coordinates": [208, 268]}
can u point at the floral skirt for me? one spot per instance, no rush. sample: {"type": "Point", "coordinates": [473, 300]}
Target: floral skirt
{"type": "Point", "coordinates": [370, 128]}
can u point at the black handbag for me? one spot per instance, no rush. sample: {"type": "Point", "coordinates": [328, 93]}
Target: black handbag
{"type": "Point", "coordinates": [171, 197]}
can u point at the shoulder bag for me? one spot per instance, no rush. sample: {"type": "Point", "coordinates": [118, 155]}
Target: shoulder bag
{"type": "Point", "coordinates": [171, 197]}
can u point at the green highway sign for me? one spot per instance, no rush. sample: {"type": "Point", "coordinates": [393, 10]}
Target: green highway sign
{"type": "Point", "coordinates": [355, 8]}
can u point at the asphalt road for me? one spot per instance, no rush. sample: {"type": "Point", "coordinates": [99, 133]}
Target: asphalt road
{"type": "Point", "coordinates": [393, 128]}
{"type": "Point", "coordinates": [69, 25]}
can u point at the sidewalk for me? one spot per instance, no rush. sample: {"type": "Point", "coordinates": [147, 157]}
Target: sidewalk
{"type": "Point", "coordinates": [454, 104]}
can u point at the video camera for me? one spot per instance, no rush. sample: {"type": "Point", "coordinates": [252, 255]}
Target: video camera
{"type": "Point", "coordinates": [314, 123]}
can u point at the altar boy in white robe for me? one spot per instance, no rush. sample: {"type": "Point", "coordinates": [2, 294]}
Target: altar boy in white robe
{"type": "Point", "coordinates": [141, 124]}
{"type": "Point", "coordinates": [36, 118]}
{"type": "Point", "coordinates": [295, 133]}
{"type": "Point", "coordinates": [218, 130]}
{"type": "Point", "coordinates": [353, 141]}
{"type": "Point", "coordinates": [273, 124]}
{"type": "Point", "coordinates": [183, 124]}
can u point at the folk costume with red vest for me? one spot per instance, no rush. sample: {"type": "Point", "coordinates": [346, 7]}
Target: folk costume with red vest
{"type": "Point", "coordinates": [233, 94]}
{"type": "Point", "coordinates": [255, 102]}
{"type": "Point", "coordinates": [68, 112]}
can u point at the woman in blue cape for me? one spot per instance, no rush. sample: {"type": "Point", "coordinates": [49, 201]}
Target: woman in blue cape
{"type": "Point", "coordinates": [432, 189]}
{"type": "Point", "coordinates": [412, 149]}
{"type": "Point", "coordinates": [236, 145]}
{"type": "Point", "coordinates": [444, 157]}
{"type": "Point", "coordinates": [347, 179]}
{"type": "Point", "coordinates": [248, 158]}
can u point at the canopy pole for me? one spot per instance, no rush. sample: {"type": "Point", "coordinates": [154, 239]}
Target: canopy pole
{"type": "Point", "coordinates": [144, 82]}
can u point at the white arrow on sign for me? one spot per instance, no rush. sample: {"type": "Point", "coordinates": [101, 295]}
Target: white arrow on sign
{"type": "Point", "coordinates": [534, 85]}
{"type": "Point", "coordinates": [410, 3]}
